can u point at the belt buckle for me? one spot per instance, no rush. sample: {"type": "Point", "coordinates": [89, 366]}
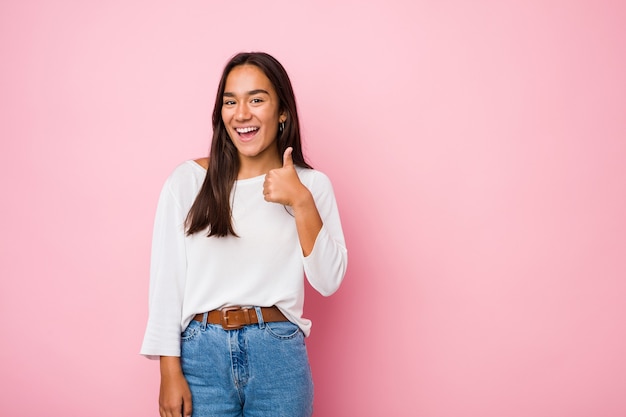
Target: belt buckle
{"type": "Point", "coordinates": [224, 318]}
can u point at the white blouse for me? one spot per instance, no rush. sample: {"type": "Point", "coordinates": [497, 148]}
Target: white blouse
{"type": "Point", "coordinates": [264, 266]}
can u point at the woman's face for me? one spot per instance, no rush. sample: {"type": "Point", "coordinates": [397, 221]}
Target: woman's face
{"type": "Point", "coordinates": [250, 112]}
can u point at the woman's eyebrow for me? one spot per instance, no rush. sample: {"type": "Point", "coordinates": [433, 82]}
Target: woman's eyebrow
{"type": "Point", "coordinates": [249, 93]}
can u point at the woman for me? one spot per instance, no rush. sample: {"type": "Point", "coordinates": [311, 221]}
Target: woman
{"type": "Point", "coordinates": [235, 234]}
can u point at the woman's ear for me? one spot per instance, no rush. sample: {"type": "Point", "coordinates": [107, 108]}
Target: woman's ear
{"type": "Point", "coordinates": [283, 117]}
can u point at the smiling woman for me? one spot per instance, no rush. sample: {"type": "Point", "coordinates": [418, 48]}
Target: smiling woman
{"type": "Point", "coordinates": [228, 261]}
{"type": "Point", "coordinates": [251, 116]}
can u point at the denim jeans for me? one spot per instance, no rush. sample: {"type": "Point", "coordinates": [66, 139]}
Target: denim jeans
{"type": "Point", "coordinates": [257, 371]}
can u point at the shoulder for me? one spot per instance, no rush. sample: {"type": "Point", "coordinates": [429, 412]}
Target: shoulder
{"type": "Point", "coordinates": [321, 189]}
{"type": "Point", "coordinates": [186, 178]}
{"type": "Point", "coordinates": [313, 178]}
{"type": "Point", "coordinates": [203, 162]}
{"type": "Point", "coordinates": [186, 169]}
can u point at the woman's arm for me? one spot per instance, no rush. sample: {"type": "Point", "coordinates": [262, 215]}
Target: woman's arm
{"type": "Point", "coordinates": [167, 272]}
{"type": "Point", "coordinates": [325, 257]}
{"type": "Point", "coordinates": [174, 395]}
{"type": "Point", "coordinates": [283, 186]}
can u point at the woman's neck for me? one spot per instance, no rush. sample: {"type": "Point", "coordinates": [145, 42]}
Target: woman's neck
{"type": "Point", "coordinates": [250, 167]}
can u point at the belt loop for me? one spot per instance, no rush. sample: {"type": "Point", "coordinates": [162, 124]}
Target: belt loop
{"type": "Point", "coordinates": [259, 315]}
{"type": "Point", "coordinates": [205, 317]}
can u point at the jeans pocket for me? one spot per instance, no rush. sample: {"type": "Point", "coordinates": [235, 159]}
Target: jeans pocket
{"type": "Point", "coordinates": [192, 330]}
{"type": "Point", "coordinates": [283, 330]}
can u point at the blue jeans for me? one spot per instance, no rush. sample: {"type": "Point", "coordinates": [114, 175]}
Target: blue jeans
{"type": "Point", "coordinates": [257, 371]}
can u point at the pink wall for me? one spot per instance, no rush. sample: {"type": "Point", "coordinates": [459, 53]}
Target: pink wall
{"type": "Point", "coordinates": [478, 151]}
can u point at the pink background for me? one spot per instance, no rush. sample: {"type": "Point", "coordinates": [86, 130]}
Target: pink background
{"type": "Point", "coordinates": [478, 152]}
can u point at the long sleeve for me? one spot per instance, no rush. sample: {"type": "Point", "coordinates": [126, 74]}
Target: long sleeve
{"type": "Point", "coordinates": [167, 278]}
{"type": "Point", "coordinates": [326, 265]}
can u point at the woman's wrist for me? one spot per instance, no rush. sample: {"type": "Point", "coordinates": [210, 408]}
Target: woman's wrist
{"type": "Point", "coordinates": [170, 365]}
{"type": "Point", "coordinates": [303, 201]}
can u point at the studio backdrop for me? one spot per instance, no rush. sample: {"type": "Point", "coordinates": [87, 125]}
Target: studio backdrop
{"type": "Point", "coordinates": [478, 155]}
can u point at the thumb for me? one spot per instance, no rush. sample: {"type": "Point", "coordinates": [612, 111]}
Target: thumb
{"type": "Point", "coordinates": [287, 160]}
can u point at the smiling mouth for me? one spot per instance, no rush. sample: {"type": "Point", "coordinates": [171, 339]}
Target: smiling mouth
{"type": "Point", "coordinates": [247, 132]}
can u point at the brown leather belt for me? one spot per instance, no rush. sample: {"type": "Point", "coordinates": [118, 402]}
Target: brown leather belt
{"type": "Point", "coordinates": [233, 318]}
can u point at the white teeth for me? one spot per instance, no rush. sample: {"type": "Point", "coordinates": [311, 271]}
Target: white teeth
{"type": "Point", "coordinates": [246, 129]}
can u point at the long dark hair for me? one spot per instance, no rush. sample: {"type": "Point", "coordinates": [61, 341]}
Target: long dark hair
{"type": "Point", "coordinates": [212, 205]}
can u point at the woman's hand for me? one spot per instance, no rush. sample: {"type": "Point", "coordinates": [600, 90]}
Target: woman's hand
{"type": "Point", "coordinates": [283, 186]}
{"type": "Point", "coordinates": [174, 396]}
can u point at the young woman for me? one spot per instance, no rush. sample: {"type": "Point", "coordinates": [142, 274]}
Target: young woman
{"type": "Point", "coordinates": [235, 234]}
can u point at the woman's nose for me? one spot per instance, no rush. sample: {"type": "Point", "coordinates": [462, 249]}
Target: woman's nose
{"type": "Point", "coordinates": [243, 113]}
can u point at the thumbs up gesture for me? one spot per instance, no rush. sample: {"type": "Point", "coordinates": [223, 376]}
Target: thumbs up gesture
{"type": "Point", "coordinates": [282, 185]}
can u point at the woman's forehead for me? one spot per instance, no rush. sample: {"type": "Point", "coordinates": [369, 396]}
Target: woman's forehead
{"type": "Point", "coordinates": [246, 79]}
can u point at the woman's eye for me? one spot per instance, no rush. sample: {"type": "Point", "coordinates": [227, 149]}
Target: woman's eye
{"type": "Point", "coordinates": [257, 100]}
{"type": "Point", "coordinates": [229, 102]}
